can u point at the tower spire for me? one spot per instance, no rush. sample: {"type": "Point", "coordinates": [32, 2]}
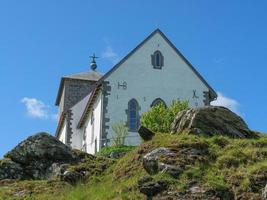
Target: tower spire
{"type": "Point", "coordinates": [93, 64]}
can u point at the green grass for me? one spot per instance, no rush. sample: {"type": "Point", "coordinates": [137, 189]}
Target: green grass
{"type": "Point", "coordinates": [238, 165]}
{"type": "Point", "coordinates": [121, 149]}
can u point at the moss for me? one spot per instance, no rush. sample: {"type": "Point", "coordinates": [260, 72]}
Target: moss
{"type": "Point", "coordinates": [32, 189]}
{"type": "Point", "coordinates": [91, 165]}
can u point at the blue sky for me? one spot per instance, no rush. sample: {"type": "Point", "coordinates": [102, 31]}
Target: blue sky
{"type": "Point", "coordinates": [40, 41]}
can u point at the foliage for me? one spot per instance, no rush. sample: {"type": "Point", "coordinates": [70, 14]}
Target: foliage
{"type": "Point", "coordinates": [160, 117]}
{"type": "Point", "coordinates": [115, 149]}
{"type": "Point", "coordinates": [120, 131]}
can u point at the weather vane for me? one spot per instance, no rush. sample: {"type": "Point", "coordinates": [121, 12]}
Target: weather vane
{"type": "Point", "coordinates": [93, 62]}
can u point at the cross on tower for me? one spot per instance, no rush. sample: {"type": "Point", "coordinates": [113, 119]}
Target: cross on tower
{"type": "Point", "coordinates": [93, 62]}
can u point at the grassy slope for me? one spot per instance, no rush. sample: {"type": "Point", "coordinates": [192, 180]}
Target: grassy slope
{"type": "Point", "coordinates": [236, 164]}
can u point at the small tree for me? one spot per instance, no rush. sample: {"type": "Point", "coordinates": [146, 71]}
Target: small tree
{"type": "Point", "coordinates": [120, 131]}
{"type": "Point", "coordinates": [160, 117]}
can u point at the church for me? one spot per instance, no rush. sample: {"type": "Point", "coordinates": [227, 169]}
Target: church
{"type": "Point", "coordinates": [154, 71]}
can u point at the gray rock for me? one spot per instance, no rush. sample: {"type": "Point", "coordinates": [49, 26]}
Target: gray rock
{"type": "Point", "coordinates": [11, 170]}
{"type": "Point", "coordinates": [153, 165]}
{"type": "Point", "coordinates": [72, 177]}
{"type": "Point", "coordinates": [149, 187]}
{"type": "Point", "coordinates": [175, 159]}
{"type": "Point", "coordinates": [211, 120]}
{"type": "Point", "coordinates": [145, 133]}
{"type": "Point", "coordinates": [200, 193]}
{"type": "Point", "coordinates": [173, 170]}
{"type": "Point", "coordinates": [150, 160]}
{"type": "Point", "coordinates": [58, 169]}
{"type": "Point", "coordinates": [264, 193]}
{"type": "Point", "coordinates": [33, 158]}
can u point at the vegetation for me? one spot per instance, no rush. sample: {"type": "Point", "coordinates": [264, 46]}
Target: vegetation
{"type": "Point", "coordinates": [121, 149]}
{"type": "Point", "coordinates": [160, 117]}
{"type": "Point", "coordinates": [120, 131]}
{"type": "Point", "coordinates": [237, 165]}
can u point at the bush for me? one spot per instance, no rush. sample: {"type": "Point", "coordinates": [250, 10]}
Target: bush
{"type": "Point", "coordinates": [120, 131]}
{"type": "Point", "coordinates": [160, 117]}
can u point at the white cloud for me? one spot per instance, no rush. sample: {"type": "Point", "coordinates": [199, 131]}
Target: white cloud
{"type": "Point", "coordinates": [227, 102]}
{"type": "Point", "coordinates": [37, 109]}
{"type": "Point", "coordinates": [110, 54]}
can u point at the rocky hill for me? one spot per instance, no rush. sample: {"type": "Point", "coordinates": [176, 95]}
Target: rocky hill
{"type": "Point", "coordinates": [187, 164]}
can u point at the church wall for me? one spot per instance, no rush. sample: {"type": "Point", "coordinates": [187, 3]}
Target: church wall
{"type": "Point", "coordinates": [145, 84]}
{"type": "Point", "coordinates": [61, 104]}
{"type": "Point", "coordinates": [62, 134]}
{"type": "Point", "coordinates": [93, 130]}
{"type": "Point", "coordinates": [76, 112]}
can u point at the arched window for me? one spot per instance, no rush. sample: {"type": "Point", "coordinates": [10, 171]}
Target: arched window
{"type": "Point", "coordinates": [157, 101]}
{"type": "Point", "coordinates": [133, 116]}
{"type": "Point", "coordinates": [157, 60]}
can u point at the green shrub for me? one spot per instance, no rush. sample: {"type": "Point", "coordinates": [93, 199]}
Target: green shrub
{"type": "Point", "coordinates": [120, 131]}
{"type": "Point", "coordinates": [160, 117]}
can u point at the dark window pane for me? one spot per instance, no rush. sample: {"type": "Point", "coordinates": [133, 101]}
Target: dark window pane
{"type": "Point", "coordinates": [157, 59]}
{"type": "Point", "coordinates": [133, 113]}
{"type": "Point", "coordinates": [132, 109]}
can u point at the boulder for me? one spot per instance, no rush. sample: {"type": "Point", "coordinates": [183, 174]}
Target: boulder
{"type": "Point", "coordinates": [175, 159]}
{"type": "Point", "coordinates": [145, 133]}
{"type": "Point", "coordinates": [11, 170]}
{"type": "Point", "coordinates": [211, 120]}
{"type": "Point", "coordinates": [33, 158]}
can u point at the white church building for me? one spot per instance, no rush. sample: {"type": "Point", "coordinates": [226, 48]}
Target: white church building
{"type": "Point", "coordinates": [154, 71]}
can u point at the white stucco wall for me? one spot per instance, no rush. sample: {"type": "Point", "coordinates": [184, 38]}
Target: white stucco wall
{"type": "Point", "coordinates": [62, 134]}
{"type": "Point", "coordinates": [93, 130]}
{"type": "Point", "coordinates": [145, 84]}
{"type": "Point", "coordinates": [77, 134]}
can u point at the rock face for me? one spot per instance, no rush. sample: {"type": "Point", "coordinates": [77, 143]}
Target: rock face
{"type": "Point", "coordinates": [33, 158]}
{"type": "Point", "coordinates": [152, 164]}
{"type": "Point", "coordinates": [174, 159]}
{"type": "Point", "coordinates": [211, 120]}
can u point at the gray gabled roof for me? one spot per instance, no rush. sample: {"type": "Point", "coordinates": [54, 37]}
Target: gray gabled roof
{"type": "Point", "coordinates": [84, 76]}
{"type": "Point", "coordinates": [91, 76]}
{"type": "Point", "coordinates": [212, 93]}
